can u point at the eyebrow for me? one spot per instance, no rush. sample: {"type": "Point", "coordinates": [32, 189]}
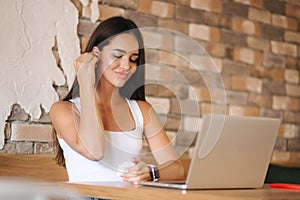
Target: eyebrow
{"type": "Point", "coordinates": [121, 50]}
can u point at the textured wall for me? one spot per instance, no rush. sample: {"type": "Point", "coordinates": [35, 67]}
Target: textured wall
{"type": "Point", "coordinates": [30, 29]}
{"type": "Point", "coordinates": [254, 43]}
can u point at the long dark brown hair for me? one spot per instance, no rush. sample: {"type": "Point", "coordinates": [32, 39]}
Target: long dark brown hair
{"type": "Point", "coordinates": [134, 87]}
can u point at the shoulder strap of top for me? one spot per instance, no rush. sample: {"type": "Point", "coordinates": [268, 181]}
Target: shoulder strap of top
{"type": "Point", "coordinates": [76, 101]}
{"type": "Point", "coordinates": [136, 111]}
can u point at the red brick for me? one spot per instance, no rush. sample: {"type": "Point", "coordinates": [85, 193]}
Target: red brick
{"type": "Point", "coordinates": [156, 39]}
{"type": "Point", "coordinates": [285, 103]}
{"type": "Point", "coordinates": [207, 108]}
{"type": "Point", "coordinates": [172, 59]}
{"type": "Point", "coordinates": [291, 63]}
{"type": "Point", "coordinates": [285, 158]}
{"type": "Point", "coordinates": [260, 72]}
{"type": "Point", "coordinates": [291, 117]}
{"type": "Point", "coordinates": [277, 7]}
{"type": "Point", "coordinates": [155, 72]}
{"type": "Point", "coordinates": [234, 68]}
{"type": "Point", "coordinates": [31, 132]}
{"type": "Point", "coordinates": [290, 36]}
{"type": "Point", "coordinates": [290, 131]}
{"type": "Point", "coordinates": [162, 9]}
{"type": "Point", "coordinates": [145, 6]}
{"type": "Point", "coordinates": [282, 48]}
{"type": "Point", "coordinates": [236, 97]}
{"type": "Point", "coordinates": [218, 64]}
{"type": "Point", "coordinates": [208, 5]}
{"type": "Point", "coordinates": [178, 91]}
{"type": "Point", "coordinates": [141, 19]}
{"type": "Point", "coordinates": [173, 25]}
{"type": "Point", "coordinates": [172, 123]}
{"type": "Point", "coordinates": [254, 3]}
{"type": "Point", "coordinates": [293, 145]}
{"type": "Point", "coordinates": [284, 22]}
{"type": "Point", "coordinates": [246, 84]}
{"type": "Point", "coordinates": [186, 13]}
{"type": "Point", "coordinates": [238, 9]}
{"type": "Point", "coordinates": [291, 76]}
{"type": "Point", "coordinates": [280, 144]}
{"type": "Point", "coordinates": [128, 4]}
{"type": "Point", "coordinates": [86, 27]}
{"type": "Point", "coordinates": [43, 148]}
{"type": "Point", "coordinates": [273, 61]}
{"type": "Point", "coordinates": [243, 111]}
{"type": "Point", "coordinates": [108, 11]}
{"type": "Point", "coordinates": [292, 90]}
{"type": "Point", "coordinates": [232, 38]}
{"type": "Point", "coordinates": [247, 55]}
{"type": "Point", "coordinates": [157, 8]}
{"type": "Point", "coordinates": [259, 15]}
{"type": "Point", "coordinates": [260, 100]}
{"type": "Point", "coordinates": [199, 94]}
{"type": "Point", "coordinates": [292, 10]}
{"type": "Point", "coordinates": [258, 43]}
{"type": "Point", "coordinates": [216, 49]}
{"type": "Point", "coordinates": [278, 74]}
{"type": "Point", "coordinates": [245, 26]}
{"type": "Point", "coordinates": [204, 32]}
{"type": "Point", "coordinates": [183, 2]}
{"type": "Point", "coordinates": [273, 87]}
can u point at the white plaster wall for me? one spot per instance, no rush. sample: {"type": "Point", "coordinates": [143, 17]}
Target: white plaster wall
{"type": "Point", "coordinates": [27, 66]}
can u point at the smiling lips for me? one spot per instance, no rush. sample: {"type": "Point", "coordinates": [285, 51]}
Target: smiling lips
{"type": "Point", "coordinates": [122, 74]}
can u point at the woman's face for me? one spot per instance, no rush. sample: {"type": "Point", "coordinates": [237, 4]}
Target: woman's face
{"type": "Point", "coordinates": [119, 59]}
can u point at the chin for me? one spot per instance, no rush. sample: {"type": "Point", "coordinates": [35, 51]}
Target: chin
{"type": "Point", "coordinates": [119, 84]}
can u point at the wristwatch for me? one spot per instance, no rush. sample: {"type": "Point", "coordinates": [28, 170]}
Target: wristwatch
{"type": "Point", "coordinates": [153, 172]}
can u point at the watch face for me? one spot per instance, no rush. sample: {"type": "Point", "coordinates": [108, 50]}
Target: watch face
{"type": "Point", "coordinates": [156, 173]}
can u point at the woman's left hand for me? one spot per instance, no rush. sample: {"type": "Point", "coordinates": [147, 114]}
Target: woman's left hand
{"type": "Point", "coordinates": [139, 172]}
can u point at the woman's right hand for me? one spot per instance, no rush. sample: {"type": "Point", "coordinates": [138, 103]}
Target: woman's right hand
{"type": "Point", "coordinates": [85, 66]}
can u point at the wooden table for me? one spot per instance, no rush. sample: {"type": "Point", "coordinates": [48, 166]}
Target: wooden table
{"type": "Point", "coordinates": [121, 190]}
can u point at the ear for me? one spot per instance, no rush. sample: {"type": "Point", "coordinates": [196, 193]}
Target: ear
{"type": "Point", "coordinates": [96, 51]}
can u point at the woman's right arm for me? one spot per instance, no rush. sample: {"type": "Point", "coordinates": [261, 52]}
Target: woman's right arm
{"type": "Point", "coordinates": [81, 131]}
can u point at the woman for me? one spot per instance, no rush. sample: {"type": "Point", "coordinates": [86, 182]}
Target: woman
{"type": "Point", "coordinates": [101, 122]}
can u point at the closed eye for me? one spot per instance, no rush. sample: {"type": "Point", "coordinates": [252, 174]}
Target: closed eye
{"type": "Point", "coordinates": [117, 55]}
{"type": "Point", "coordinates": [134, 58]}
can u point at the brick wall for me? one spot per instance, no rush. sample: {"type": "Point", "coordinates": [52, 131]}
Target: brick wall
{"type": "Point", "coordinates": [254, 43]}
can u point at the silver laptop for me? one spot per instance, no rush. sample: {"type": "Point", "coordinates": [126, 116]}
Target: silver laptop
{"type": "Point", "coordinates": [230, 152]}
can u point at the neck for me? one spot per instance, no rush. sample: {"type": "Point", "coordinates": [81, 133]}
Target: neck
{"type": "Point", "coordinates": [107, 94]}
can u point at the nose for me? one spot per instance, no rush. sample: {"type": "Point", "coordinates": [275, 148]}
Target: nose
{"type": "Point", "coordinates": [125, 63]}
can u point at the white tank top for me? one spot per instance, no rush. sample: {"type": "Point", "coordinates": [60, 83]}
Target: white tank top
{"type": "Point", "coordinates": [120, 147]}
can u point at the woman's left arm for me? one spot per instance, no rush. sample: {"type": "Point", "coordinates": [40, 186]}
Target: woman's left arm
{"type": "Point", "coordinates": [170, 167]}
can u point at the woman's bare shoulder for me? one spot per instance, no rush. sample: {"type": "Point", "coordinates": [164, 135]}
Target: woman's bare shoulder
{"type": "Point", "coordinates": [147, 110]}
{"type": "Point", "coordinates": [62, 108]}
{"type": "Point", "coordinates": [62, 117]}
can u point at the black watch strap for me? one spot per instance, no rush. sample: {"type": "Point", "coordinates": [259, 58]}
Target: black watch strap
{"type": "Point", "coordinates": [153, 172]}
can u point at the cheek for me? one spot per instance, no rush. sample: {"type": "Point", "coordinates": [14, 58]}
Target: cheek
{"type": "Point", "coordinates": [133, 69]}
{"type": "Point", "coordinates": [108, 66]}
